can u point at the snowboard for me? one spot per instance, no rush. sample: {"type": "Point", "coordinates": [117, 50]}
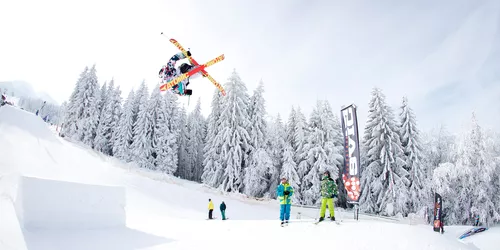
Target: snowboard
{"type": "Point", "coordinates": [197, 68]}
{"type": "Point", "coordinates": [472, 231]}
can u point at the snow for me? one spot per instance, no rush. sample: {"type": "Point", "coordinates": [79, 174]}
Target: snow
{"type": "Point", "coordinates": [53, 204]}
{"type": "Point", "coordinates": [11, 235]}
{"type": "Point", "coordinates": [164, 212]}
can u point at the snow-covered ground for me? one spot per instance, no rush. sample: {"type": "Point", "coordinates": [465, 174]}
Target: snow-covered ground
{"type": "Point", "coordinates": [162, 212]}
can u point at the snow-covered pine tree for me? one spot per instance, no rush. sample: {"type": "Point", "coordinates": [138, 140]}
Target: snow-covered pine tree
{"type": "Point", "coordinates": [74, 109]}
{"type": "Point", "coordinates": [290, 129]}
{"type": "Point", "coordinates": [384, 181]}
{"type": "Point", "coordinates": [212, 164]}
{"type": "Point", "coordinates": [172, 135]}
{"type": "Point", "coordinates": [314, 158]}
{"type": "Point", "coordinates": [103, 98]}
{"type": "Point", "coordinates": [289, 171]}
{"type": "Point", "coordinates": [300, 142]}
{"type": "Point", "coordinates": [157, 116]}
{"type": "Point", "coordinates": [183, 169]}
{"type": "Point", "coordinates": [195, 143]}
{"type": "Point", "coordinates": [439, 148]}
{"type": "Point", "coordinates": [444, 182]}
{"type": "Point", "coordinates": [62, 111]}
{"type": "Point", "coordinates": [124, 134]}
{"type": "Point", "coordinates": [259, 163]}
{"type": "Point", "coordinates": [333, 144]}
{"type": "Point", "coordinates": [334, 147]}
{"type": "Point", "coordinates": [141, 145]}
{"type": "Point", "coordinates": [104, 129]}
{"type": "Point", "coordinates": [410, 140]}
{"type": "Point", "coordinates": [90, 101]}
{"type": "Point", "coordinates": [495, 180]}
{"type": "Point", "coordinates": [324, 150]}
{"type": "Point", "coordinates": [475, 167]}
{"type": "Point", "coordinates": [276, 136]}
{"type": "Point", "coordinates": [116, 113]}
{"type": "Point", "coordinates": [255, 181]}
{"type": "Point", "coordinates": [234, 135]}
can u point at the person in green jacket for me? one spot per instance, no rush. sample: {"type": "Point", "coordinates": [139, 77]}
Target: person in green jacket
{"type": "Point", "coordinates": [328, 192]}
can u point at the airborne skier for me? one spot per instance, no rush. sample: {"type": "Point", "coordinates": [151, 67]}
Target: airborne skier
{"type": "Point", "coordinates": [172, 77]}
{"type": "Point", "coordinates": [169, 72]}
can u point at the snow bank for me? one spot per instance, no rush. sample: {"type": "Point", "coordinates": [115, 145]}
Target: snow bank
{"type": "Point", "coordinates": [11, 234]}
{"type": "Point", "coordinates": [13, 117]}
{"type": "Point", "coordinates": [52, 204]}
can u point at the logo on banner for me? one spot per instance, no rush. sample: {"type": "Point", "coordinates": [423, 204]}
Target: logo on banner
{"type": "Point", "coordinates": [351, 180]}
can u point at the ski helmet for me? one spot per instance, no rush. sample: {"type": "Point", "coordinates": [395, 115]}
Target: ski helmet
{"type": "Point", "coordinates": [327, 173]}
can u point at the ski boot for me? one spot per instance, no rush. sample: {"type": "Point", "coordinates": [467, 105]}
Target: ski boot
{"type": "Point", "coordinates": [332, 218]}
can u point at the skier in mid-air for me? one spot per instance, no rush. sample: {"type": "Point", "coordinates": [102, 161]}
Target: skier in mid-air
{"type": "Point", "coordinates": [168, 72]}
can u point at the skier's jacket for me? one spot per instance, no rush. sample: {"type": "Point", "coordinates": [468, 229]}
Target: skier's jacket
{"type": "Point", "coordinates": [328, 187]}
{"type": "Point", "coordinates": [169, 70]}
{"type": "Point", "coordinates": [210, 205]}
{"type": "Point", "coordinates": [222, 206]}
{"type": "Point", "coordinates": [280, 192]}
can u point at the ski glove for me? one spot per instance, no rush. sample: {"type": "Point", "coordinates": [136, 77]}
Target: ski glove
{"type": "Point", "coordinates": [188, 53]}
{"type": "Point", "coordinates": [286, 192]}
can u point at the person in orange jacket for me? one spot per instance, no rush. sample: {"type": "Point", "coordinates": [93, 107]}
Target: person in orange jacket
{"type": "Point", "coordinates": [210, 208]}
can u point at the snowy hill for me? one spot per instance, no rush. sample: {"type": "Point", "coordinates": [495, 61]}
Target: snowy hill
{"type": "Point", "coordinates": [54, 193]}
{"type": "Point", "coordinates": [24, 89]}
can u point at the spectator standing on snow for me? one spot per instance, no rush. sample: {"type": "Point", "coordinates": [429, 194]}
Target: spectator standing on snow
{"type": "Point", "coordinates": [223, 210]}
{"type": "Point", "coordinates": [328, 192]}
{"type": "Point", "coordinates": [284, 193]}
{"type": "Point", "coordinates": [476, 223]}
{"type": "Point", "coordinates": [210, 208]}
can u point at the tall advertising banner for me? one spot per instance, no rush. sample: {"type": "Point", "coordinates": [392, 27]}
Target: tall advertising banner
{"type": "Point", "coordinates": [350, 175]}
{"type": "Point", "coordinates": [438, 206]}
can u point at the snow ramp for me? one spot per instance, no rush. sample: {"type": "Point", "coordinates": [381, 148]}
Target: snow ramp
{"type": "Point", "coordinates": [13, 119]}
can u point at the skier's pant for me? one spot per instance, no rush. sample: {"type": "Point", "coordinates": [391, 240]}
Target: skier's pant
{"type": "Point", "coordinates": [223, 213]}
{"type": "Point", "coordinates": [285, 211]}
{"type": "Point", "coordinates": [210, 213]}
{"type": "Point", "coordinates": [324, 203]}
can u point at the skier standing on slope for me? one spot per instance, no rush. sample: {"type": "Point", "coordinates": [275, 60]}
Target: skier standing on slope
{"type": "Point", "coordinates": [223, 210]}
{"type": "Point", "coordinates": [210, 208]}
{"type": "Point", "coordinates": [169, 72]}
{"type": "Point", "coordinates": [328, 192]}
{"type": "Point", "coordinates": [284, 193]}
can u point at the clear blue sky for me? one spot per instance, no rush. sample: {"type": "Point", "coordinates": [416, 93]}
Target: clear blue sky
{"type": "Point", "coordinates": [443, 55]}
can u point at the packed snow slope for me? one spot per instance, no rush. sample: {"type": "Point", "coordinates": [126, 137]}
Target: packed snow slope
{"type": "Point", "coordinates": [163, 212]}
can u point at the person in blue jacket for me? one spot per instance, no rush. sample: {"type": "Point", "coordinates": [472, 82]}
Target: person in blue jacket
{"type": "Point", "coordinates": [284, 193]}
